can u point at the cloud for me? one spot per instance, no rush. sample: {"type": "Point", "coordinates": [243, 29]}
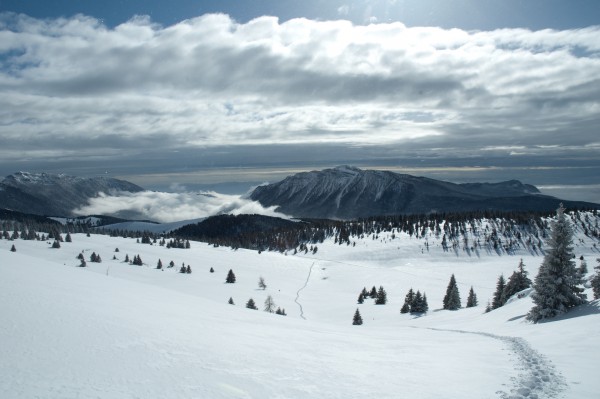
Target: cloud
{"type": "Point", "coordinates": [172, 207]}
{"type": "Point", "coordinates": [74, 89]}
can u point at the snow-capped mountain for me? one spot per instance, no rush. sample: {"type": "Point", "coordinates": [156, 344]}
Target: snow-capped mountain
{"type": "Point", "coordinates": [56, 195]}
{"type": "Point", "coordinates": [347, 192]}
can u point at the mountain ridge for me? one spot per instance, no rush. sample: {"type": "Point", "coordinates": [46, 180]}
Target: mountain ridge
{"type": "Point", "coordinates": [55, 194]}
{"type": "Point", "coordinates": [347, 192]}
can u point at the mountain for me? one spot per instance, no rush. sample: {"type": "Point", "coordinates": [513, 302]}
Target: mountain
{"type": "Point", "coordinates": [55, 195]}
{"type": "Point", "coordinates": [347, 192]}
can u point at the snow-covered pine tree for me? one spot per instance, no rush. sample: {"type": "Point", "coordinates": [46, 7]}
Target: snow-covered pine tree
{"type": "Point", "coordinates": [472, 298]}
{"type": "Point", "coordinates": [357, 320]}
{"type": "Point", "coordinates": [230, 301]}
{"type": "Point", "coordinates": [499, 298]}
{"type": "Point", "coordinates": [230, 277]}
{"type": "Point", "coordinates": [381, 298]}
{"type": "Point", "coordinates": [557, 285]}
{"type": "Point", "coordinates": [13, 249]}
{"type": "Point", "coordinates": [451, 300]}
{"type": "Point", "coordinates": [68, 237]}
{"type": "Point", "coordinates": [251, 305]}
{"type": "Point", "coordinates": [361, 298]}
{"type": "Point", "coordinates": [517, 282]}
{"type": "Point", "coordinates": [159, 265]}
{"type": "Point", "coordinates": [425, 304]}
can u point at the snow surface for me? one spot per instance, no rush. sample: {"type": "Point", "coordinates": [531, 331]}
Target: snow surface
{"type": "Point", "coordinates": [114, 330]}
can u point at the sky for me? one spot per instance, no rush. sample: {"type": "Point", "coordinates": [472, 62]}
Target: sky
{"type": "Point", "coordinates": [224, 95]}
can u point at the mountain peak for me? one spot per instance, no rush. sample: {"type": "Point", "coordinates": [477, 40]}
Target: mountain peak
{"type": "Point", "coordinates": [347, 192]}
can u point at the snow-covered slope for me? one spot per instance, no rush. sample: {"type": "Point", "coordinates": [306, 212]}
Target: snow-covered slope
{"type": "Point", "coordinates": [115, 330]}
{"type": "Point", "coordinates": [347, 192]}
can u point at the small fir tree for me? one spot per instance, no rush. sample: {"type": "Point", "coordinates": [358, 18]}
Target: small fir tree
{"type": "Point", "coordinates": [357, 320]}
{"type": "Point", "coordinates": [499, 298]}
{"type": "Point", "coordinates": [13, 249]}
{"type": "Point", "coordinates": [159, 264]}
{"type": "Point", "coordinates": [361, 298]}
{"type": "Point", "coordinates": [212, 270]}
{"type": "Point", "coordinates": [408, 300]}
{"type": "Point", "coordinates": [373, 293]}
{"type": "Point", "coordinates": [381, 296]}
{"type": "Point", "coordinates": [56, 244]}
{"type": "Point", "coordinates": [68, 238]}
{"type": "Point", "coordinates": [364, 292]}
{"type": "Point", "coordinates": [230, 301]}
{"type": "Point", "coordinates": [557, 285]}
{"type": "Point", "coordinates": [517, 282]}
{"type": "Point", "coordinates": [230, 277]}
{"type": "Point", "coordinates": [451, 300]}
{"type": "Point", "coordinates": [251, 305]}
{"type": "Point", "coordinates": [472, 298]}
{"type": "Point", "coordinates": [417, 305]}
{"type": "Point", "coordinates": [188, 269]}
{"type": "Point", "coordinates": [425, 304]}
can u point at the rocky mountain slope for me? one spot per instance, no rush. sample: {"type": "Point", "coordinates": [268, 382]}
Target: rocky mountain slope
{"type": "Point", "coordinates": [55, 195]}
{"type": "Point", "coordinates": [347, 192]}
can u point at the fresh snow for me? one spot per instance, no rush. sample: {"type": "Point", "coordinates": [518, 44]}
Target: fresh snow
{"type": "Point", "coordinates": [114, 330]}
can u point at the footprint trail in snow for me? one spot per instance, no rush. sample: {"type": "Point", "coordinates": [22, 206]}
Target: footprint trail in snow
{"type": "Point", "coordinates": [537, 378]}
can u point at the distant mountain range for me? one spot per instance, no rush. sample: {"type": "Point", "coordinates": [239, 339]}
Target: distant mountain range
{"type": "Point", "coordinates": [55, 195]}
{"type": "Point", "coordinates": [347, 192]}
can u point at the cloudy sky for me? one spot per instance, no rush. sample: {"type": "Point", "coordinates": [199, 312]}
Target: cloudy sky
{"type": "Point", "coordinates": [221, 95]}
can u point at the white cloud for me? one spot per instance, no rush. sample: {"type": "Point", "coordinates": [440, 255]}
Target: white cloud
{"type": "Point", "coordinates": [172, 207]}
{"type": "Point", "coordinates": [83, 89]}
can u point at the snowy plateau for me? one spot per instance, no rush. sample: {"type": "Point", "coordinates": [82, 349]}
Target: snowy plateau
{"type": "Point", "coordinates": [116, 330]}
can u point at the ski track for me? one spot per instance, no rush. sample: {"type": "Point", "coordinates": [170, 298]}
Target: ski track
{"type": "Point", "coordinates": [538, 378]}
{"type": "Point", "coordinates": [301, 288]}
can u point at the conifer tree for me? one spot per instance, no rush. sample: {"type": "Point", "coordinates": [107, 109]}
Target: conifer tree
{"type": "Point", "coordinates": [182, 269]}
{"type": "Point", "coordinates": [364, 292]}
{"type": "Point", "coordinates": [517, 282]}
{"type": "Point", "coordinates": [381, 296]}
{"type": "Point", "coordinates": [188, 270]}
{"type": "Point", "coordinates": [425, 304]}
{"type": "Point", "coordinates": [251, 305]}
{"type": "Point", "coordinates": [499, 298]}
{"type": "Point", "coordinates": [373, 293]}
{"type": "Point", "coordinates": [13, 249]}
{"type": "Point", "coordinates": [56, 244]}
{"type": "Point", "coordinates": [557, 285]}
{"type": "Point", "coordinates": [596, 281]}
{"type": "Point", "coordinates": [230, 277]}
{"type": "Point", "coordinates": [68, 237]}
{"type": "Point", "coordinates": [230, 301]}
{"type": "Point", "coordinates": [159, 265]}
{"type": "Point", "coordinates": [361, 298]}
{"type": "Point", "coordinates": [408, 300]}
{"type": "Point", "coordinates": [261, 283]}
{"type": "Point", "coordinates": [269, 304]}
{"type": "Point", "coordinates": [472, 299]}
{"type": "Point", "coordinates": [452, 298]}
{"type": "Point", "coordinates": [417, 305]}
{"type": "Point", "coordinates": [357, 320]}
{"type": "Point", "coordinates": [212, 270]}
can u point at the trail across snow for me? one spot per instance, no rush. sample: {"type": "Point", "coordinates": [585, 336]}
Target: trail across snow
{"type": "Point", "coordinates": [538, 377]}
{"type": "Point", "coordinates": [301, 288]}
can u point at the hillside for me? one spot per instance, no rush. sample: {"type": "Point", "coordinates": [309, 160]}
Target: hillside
{"type": "Point", "coordinates": [55, 195]}
{"type": "Point", "coordinates": [113, 329]}
{"type": "Point", "coordinates": [347, 192]}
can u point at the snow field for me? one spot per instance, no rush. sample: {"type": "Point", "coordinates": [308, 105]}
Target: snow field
{"type": "Point", "coordinates": [115, 330]}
